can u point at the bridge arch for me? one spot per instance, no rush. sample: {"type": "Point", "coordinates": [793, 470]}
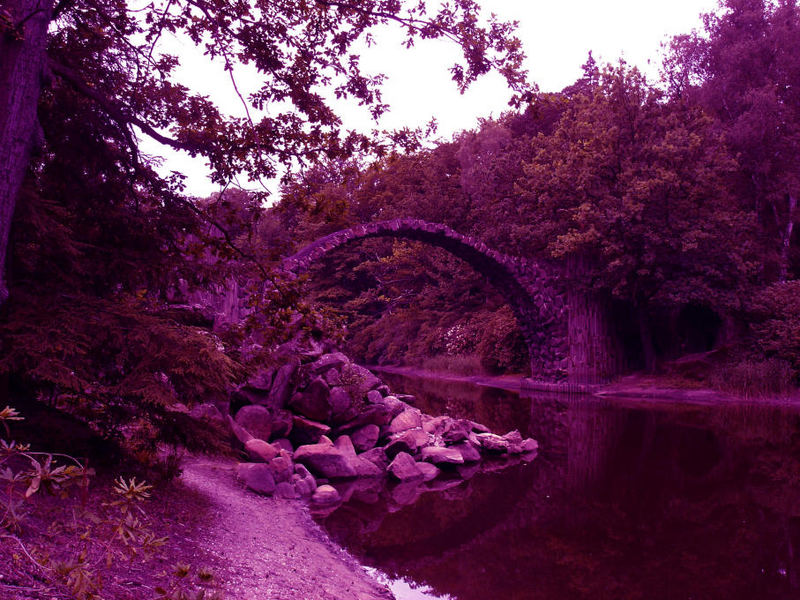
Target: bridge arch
{"type": "Point", "coordinates": [528, 287]}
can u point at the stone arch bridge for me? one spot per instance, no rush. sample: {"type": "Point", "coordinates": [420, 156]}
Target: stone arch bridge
{"type": "Point", "coordinates": [534, 291]}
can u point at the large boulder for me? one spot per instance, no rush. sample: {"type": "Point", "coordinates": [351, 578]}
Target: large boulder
{"type": "Point", "coordinates": [260, 451]}
{"type": "Point", "coordinates": [314, 402]}
{"type": "Point", "coordinates": [326, 460]}
{"type": "Point", "coordinates": [404, 468]}
{"type": "Point", "coordinates": [410, 440]}
{"type": "Point", "coordinates": [467, 451]}
{"type": "Point", "coordinates": [325, 495]}
{"type": "Point", "coordinates": [257, 477]}
{"type": "Point", "coordinates": [365, 437]}
{"type": "Point", "coordinates": [334, 360]}
{"type": "Point", "coordinates": [456, 430]}
{"type": "Point", "coordinates": [340, 403]}
{"type": "Point", "coordinates": [491, 442]}
{"type": "Point", "coordinates": [376, 456]}
{"type": "Point", "coordinates": [256, 420]}
{"type": "Point", "coordinates": [281, 386]}
{"type": "Point", "coordinates": [441, 456]}
{"type": "Point", "coordinates": [282, 422]}
{"type": "Point", "coordinates": [282, 467]}
{"type": "Point", "coordinates": [360, 378]}
{"type": "Point", "coordinates": [408, 419]}
{"type": "Point", "coordinates": [240, 434]}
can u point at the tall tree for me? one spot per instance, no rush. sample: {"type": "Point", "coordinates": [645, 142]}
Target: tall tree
{"type": "Point", "coordinates": [110, 53]}
{"type": "Point", "coordinates": [745, 70]}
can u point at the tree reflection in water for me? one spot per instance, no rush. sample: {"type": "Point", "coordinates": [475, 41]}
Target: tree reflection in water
{"type": "Point", "coordinates": [624, 501]}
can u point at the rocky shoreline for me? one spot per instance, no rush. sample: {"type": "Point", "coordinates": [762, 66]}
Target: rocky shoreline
{"type": "Point", "coordinates": [320, 427]}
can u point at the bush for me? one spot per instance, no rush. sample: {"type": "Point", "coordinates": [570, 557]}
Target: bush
{"type": "Point", "coordinates": [460, 364]}
{"type": "Point", "coordinates": [755, 379]}
{"type": "Point", "coordinates": [502, 349]}
{"type": "Point", "coordinates": [775, 317]}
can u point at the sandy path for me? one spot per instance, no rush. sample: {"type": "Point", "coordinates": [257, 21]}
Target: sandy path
{"type": "Point", "coordinates": [268, 548]}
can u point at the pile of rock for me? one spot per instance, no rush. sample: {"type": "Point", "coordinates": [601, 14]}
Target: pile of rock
{"type": "Point", "coordinates": [305, 425]}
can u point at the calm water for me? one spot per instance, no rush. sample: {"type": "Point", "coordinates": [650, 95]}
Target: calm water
{"type": "Point", "coordinates": [647, 502]}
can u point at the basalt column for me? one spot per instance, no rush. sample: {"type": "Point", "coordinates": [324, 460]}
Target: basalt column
{"type": "Point", "coordinates": [595, 353]}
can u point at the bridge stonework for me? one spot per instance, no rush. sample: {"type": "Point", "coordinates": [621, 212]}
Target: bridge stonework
{"type": "Point", "coordinates": [531, 289]}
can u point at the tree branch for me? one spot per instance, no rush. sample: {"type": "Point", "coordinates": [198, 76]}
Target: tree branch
{"type": "Point", "coordinates": [115, 111]}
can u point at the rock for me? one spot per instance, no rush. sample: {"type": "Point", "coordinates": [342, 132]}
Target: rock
{"type": "Point", "coordinates": [456, 430]}
{"type": "Point", "coordinates": [365, 437]}
{"type": "Point", "coordinates": [207, 412]}
{"type": "Point", "coordinates": [467, 451]}
{"type": "Point", "coordinates": [333, 377]}
{"type": "Point", "coordinates": [334, 360]}
{"type": "Point", "coordinates": [282, 422]}
{"type": "Point", "coordinates": [395, 406]}
{"type": "Point", "coordinates": [377, 456]}
{"type": "Point", "coordinates": [429, 471]}
{"type": "Point", "coordinates": [408, 419]}
{"type": "Point", "coordinates": [286, 489]}
{"type": "Point", "coordinates": [340, 401]}
{"type": "Point", "coordinates": [404, 468]}
{"type": "Point", "coordinates": [409, 441]}
{"type": "Point", "coordinates": [261, 380]}
{"type": "Point", "coordinates": [383, 390]}
{"type": "Point", "coordinates": [282, 468]}
{"type": "Point", "coordinates": [478, 427]}
{"type": "Point", "coordinates": [434, 425]}
{"type": "Point", "coordinates": [301, 471]}
{"type": "Point", "coordinates": [407, 398]}
{"type": "Point", "coordinates": [239, 432]}
{"type": "Point", "coordinates": [257, 477]}
{"type": "Point", "coordinates": [529, 445]}
{"type": "Point", "coordinates": [283, 444]}
{"type": "Point", "coordinates": [325, 495]}
{"type": "Point", "coordinates": [492, 442]}
{"type": "Point", "coordinates": [363, 378]}
{"type": "Point", "coordinates": [305, 486]}
{"type": "Point", "coordinates": [325, 460]}
{"type": "Point", "coordinates": [366, 468]}
{"type": "Point", "coordinates": [306, 431]}
{"type": "Point", "coordinates": [374, 397]}
{"type": "Point", "coordinates": [345, 445]}
{"type": "Point", "coordinates": [442, 456]}
{"type": "Point", "coordinates": [256, 420]}
{"type": "Point", "coordinates": [281, 385]}
{"type": "Point", "coordinates": [374, 414]}
{"type": "Point", "coordinates": [260, 451]}
{"type": "Point", "coordinates": [514, 439]}
{"type": "Point", "coordinates": [314, 402]}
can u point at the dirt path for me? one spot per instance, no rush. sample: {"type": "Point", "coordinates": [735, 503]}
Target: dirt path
{"type": "Point", "coordinates": [268, 548]}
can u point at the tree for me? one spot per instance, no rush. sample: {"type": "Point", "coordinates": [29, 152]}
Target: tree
{"type": "Point", "coordinates": [633, 192]}
{"type": "Point", "coordinates": [109, 54]}
{"type": "Point", "coordinates": [745, 70]}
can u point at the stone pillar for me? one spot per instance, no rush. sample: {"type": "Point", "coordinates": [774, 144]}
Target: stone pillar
{"type": "Point", "coordinates": [595, 352]}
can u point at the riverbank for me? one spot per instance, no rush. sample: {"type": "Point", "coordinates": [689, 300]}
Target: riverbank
{"type": "Point", "coordinates": [644, 388]}
{"type": "Point", "coordinates": [249, 547]}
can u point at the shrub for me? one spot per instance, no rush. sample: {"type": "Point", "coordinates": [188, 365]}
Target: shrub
{"type": "Point", "coordinates": [750, 378]}
{"type": "Point", "coordinates": [775, 316]}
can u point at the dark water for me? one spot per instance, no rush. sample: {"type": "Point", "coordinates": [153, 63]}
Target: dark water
{"type": "Point", "coordinates": [625, 500]}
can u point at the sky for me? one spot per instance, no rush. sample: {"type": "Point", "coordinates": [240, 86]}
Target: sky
{"type": "Point", "coordinates": [556, 35]}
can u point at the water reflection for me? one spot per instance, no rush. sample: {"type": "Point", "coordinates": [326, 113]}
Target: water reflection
{"type": "Point", "coordinates": [624, 501]}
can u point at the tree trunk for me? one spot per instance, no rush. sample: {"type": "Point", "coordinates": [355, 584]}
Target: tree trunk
{"type": "Point", "coordinates": [22, 57]}
{"type": "Point", "coordinates": [786, 238]}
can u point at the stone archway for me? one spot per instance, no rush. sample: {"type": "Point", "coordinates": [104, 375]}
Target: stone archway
{"type": "Point", "coordinates": [529, 288]}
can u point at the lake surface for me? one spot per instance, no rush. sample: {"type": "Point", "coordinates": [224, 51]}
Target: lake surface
{"type": "Point", "coordinates": [625, 500]}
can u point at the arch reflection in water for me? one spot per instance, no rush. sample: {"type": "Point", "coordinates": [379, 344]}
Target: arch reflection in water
{"type": "Point", "coordinates": [624, 501]}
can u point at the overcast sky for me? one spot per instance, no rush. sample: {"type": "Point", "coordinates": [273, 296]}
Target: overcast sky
{"type": "Point", "coordinates": [557, 37]}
